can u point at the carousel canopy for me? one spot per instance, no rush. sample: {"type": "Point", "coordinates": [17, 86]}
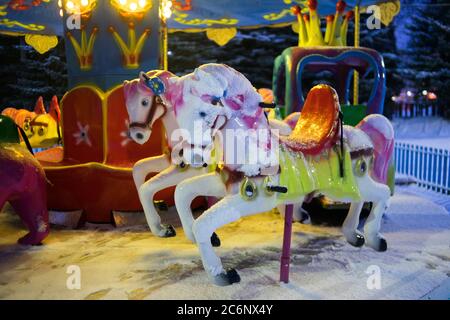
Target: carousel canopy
{"type": "Point", "coordinates": [45, 16]}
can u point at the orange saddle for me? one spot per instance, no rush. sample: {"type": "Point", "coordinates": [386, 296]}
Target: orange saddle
{"type": "Point", "coordinates": [317, 128]}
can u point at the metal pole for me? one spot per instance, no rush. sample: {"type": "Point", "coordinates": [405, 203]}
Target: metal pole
{"type": "Point", "coordinates": [356, 74]}
{"type": "Point", "coordinates": [286, 251]}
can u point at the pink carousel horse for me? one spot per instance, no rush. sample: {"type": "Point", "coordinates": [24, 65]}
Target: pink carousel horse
{"type": "Point", "coordinates": [154, 95]}
{"type": "Point", "coordinates": [319, 157]}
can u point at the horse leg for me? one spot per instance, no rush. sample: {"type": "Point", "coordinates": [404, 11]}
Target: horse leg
{"type": "Point", "coordinates": [379, 194]}
{"type": "Point", "coordinates": [167, 178]}
{"type": "Point", "coordinates": [148, 165]}
{"type": "Point", "coordinates": [32, 210]}
{"type": "Point", "coordinates": [210, 184]}
{"type": "Point", "coordinates": [350, 226]}
{"type": "Point", "coordinates": [227, 210]}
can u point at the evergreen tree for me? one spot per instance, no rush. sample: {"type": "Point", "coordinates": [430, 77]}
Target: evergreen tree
{"type": "Point", "coordinates": [426, 64]}
{"type": "Point", "coordinates": [26, 74]}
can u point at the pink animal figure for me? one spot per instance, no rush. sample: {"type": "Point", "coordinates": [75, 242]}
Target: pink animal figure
{"type": "Point", "coordinates": [22, 183]}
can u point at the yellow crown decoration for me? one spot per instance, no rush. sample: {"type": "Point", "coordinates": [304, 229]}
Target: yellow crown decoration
{"type": "Point", "coordinates": [131, 52]}
{"type": "Point", "coordinates": [84, 49]}
{"type": "Point", "coordinates": [310, 33]}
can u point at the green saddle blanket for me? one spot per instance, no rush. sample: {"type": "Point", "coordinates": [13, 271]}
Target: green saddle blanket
{"type": "Point", "coordinates": [303, 174]}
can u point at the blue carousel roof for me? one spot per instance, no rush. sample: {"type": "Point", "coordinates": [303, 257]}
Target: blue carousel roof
{"type": "Point", "coordinates": [42, 16]}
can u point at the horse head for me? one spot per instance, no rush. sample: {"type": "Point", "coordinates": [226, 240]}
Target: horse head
{"type": "Point", "coordinates": [147, 99]}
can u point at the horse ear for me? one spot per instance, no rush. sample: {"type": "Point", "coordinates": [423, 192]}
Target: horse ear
{"type": "Point", "coordinates": [54, 111]}
{"type": "Point", "coordinates": [39, 106]}
{"type": "Point", "coordinates": [143, 76]}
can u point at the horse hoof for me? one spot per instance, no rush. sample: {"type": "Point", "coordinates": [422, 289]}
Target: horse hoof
{"type": "Point", "coordinates": [168, 231]}
{"type": "Point", "coordinates": [215, 241]}
{"type": "Point", "coordinates": [33, 239]}
{"type": "Point", "coordinates": [359, 241]}
{"type": "Point", "coordinates": [380, 245]}
{"type": "Point", "coordinates": [228, 278]}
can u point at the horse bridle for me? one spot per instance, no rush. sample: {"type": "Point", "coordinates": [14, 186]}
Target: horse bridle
{"type": "Point", "coordinates": [157, 101]}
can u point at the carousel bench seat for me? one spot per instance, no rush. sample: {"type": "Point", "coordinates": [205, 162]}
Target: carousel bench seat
{"type": "Point", "coordinates": [95, 172]}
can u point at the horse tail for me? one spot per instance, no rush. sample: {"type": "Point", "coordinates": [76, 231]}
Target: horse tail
{"type": "Point", "coordinates": [381, 133]}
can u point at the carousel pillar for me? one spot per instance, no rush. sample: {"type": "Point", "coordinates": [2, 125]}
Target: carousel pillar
{"type": "Point", "coordinates": [356, 74]}
{"type": "Point", "coordinates": [108, 42]}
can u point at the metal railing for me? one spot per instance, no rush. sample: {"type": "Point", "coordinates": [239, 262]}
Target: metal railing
{"type": "Point", "coordinates": [429, 166]}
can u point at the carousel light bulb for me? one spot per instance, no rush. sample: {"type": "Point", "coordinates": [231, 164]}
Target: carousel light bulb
{"type": "Point", "coordinates": [142, 3]}
{"type": "Point", "coordinates": [409, 93]}
{"type": "Point", "coordinates": [61, 12]}
{"type": "Point", "coordinates": [123, 2]}
{"type": "Point", "coordinates": [70, 5]}
{"type": "Point", "coordinates": [84, 3]}
{"type": "Point", "coordinates": [424, 92]}
{"type": "Point", "coordinates": [133, 6]}
{"type": "Point", "coordinates": [167, 12]}
{"type": "Point", "coordinates": [60, 3]}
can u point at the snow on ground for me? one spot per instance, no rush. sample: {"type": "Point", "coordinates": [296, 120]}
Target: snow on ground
{"type": "Point", "coordinates": [431, 132]}
{"type": "Point", "coordinates": [412, 189]}
{"type": "Point", "coordinates": [421, 128]}
{"type": "Point", "coordinates": [439, 143]}
{"type": "Point", "coordinates": [132, 264]}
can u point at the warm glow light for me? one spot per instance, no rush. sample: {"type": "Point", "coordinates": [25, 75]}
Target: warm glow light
{"type": "Point", "coordinates": [60, 3]}
{"type": "Point", "coordinates": [61, 13]}
{"type": "Point", "coordinates": [166, 9]}
{"type": "Point", "coordinates": [432, 96]}
{"type": "Point", "coordinates": [424, 92]}
{"type": "Point", "coordinates": [394, 98]}
{"type": "Point", "coordinates": [132, 8]}
{"type": "Point", "coordinates": [83, 7]}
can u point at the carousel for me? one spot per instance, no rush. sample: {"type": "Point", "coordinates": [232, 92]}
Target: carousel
{"type": "Point", "coordinates": [109, 151]}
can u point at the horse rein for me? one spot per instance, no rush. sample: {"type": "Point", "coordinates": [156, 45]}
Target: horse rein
{"type": "Point", "coordinates": [157, 101]}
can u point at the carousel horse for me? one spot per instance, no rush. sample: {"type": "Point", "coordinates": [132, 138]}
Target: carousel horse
{"type": "Point", "coordinates": [22, 182]}
{"type": "Point", "coordinates": [41, 128]}
{"type": "Point", "coordinates": [151, 97]}
{"type": "Point", "coordinates": [320, 156]}
{"type": "Point", "coordinates": [158, 95]}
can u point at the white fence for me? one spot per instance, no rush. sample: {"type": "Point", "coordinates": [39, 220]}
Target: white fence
{"type": "Point", "coordinates": [429, 166]}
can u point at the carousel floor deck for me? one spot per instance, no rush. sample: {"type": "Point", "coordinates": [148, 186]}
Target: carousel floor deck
{"type": "Point", "coordinates": [130, 263]}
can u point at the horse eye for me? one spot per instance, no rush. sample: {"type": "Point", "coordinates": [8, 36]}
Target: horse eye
{"type": "Point", "coordinates": [215, 101]}
{"type": "Point", "coordinates": [41, 131]}
{"type": "Point", "coordinates": [202, 114]}
{"type": "Point", "coordinates": [144, 102]}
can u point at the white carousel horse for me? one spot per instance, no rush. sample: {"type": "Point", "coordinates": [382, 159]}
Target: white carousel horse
{"type": "Point", "coordinates": [311, 162]}
{"type": "Point", "coordinates": [157, 95]}
{"type": "Point", "coordinates": [149, 98]}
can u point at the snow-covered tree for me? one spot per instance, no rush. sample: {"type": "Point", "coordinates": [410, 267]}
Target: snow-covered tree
{"type": "Point", "coordinates": [26, 74]}
{"type": "Point", "coordinates": [426, 60]}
